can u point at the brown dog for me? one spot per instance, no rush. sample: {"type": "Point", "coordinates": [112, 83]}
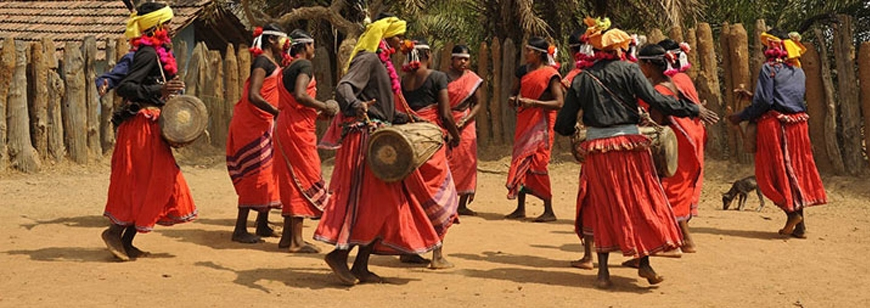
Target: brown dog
{"type": "Point", "coordinates": [740, 189]}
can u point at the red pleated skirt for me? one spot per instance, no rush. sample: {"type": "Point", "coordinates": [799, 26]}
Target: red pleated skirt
{"type": "Point", "coordinates": [684, 187]}
{"type": "Point", "coordinates": [146, 186]}
{"type": "Point", "coordinates": [463, 158]}
{"type": "Point", "coordinates": [250, 155]}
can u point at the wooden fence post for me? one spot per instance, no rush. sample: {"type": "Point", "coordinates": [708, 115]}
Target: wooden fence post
{"type": "Point", "coordinates": [231, 81]}
{"type": "Point", "coordinates": [709, 90]}
{"type": "Point", "coordinates": [74, 108]}
{"type": "Point", "coordinates": [22, 155]}
{"type": "Point", "coordinates": [676, 34]}
{"type": "Point", "coordinates": [89, 52]}
{"type": "Point", "coordinates": [692, 40]}
{"type": "Point", "coordinates": [831, 143]}
{"type": "Point", "coordinates": [213, 90]}
{"type": "Point", "coordinates": [725, 53]}
{"type": "Point", "coordinates": [56, 89]}
{"type": "Point", "coordinates": [181, 57]}
{"type": "Point", "coordinates": [325, 90]}
{"type": "Point", "coordinates": [122, 47]}
{"type": "Point", "coordinates": [7, 68]}
{"type": "Point", "coordinates": [484, 132]}
{"type": "Point", "coordinates": [496, 105]}
{"type": "Point", "coordinates": [864, 79]}
{"type": "Point", "coordinates": [107, 129]}
{"type": "Point", "coordinates": [757, 58]}
{"type": "Point", "coordinates": [739, 43]}
{"type": "Point", "coordinates": [655, 36]}
{"type": "Point", "coordinates": [847, 95]}
{"type": "Point", "coordinates": [508, 76]}
{"type": "Point", "coordinates": [244, 57]}
{"type": "Point", "coordinates": [816, 106]}
{"type": "Point", "coordinates": [38, 99]}
{"type": "Point", "coordinates": [446, 56]}
{"type": "Point", "coordinates": [195, 69]}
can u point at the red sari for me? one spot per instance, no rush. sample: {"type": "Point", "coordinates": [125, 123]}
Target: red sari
{"type": "Point", "coordinates": [463, 158]}
{"type": "Point", "coordinates": [533, 140]}
{"type": "Point", "coordinates": [250, 151]}
{"type": "Point", "coordinates": [569, 78]}
{"type": "Point", "coordinates": [146, 186]}
{"type": "Point", "coordinates": [300, 182]}
{"type": "Point", "coordinates": [363, 209]}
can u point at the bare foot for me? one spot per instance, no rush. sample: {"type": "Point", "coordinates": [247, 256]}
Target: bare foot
{"type": "Point", "coordinates": [800, 235]}
{"type": "Point", "coordinates": [583, 264]}
{"type": "Point", "coordinates": [650, 275]}
{"type": "Point", "coordinates": [688, 248]}
{"type": "Point", "coordinates": [246, 238]}
{"type": "Point", "coordinates": [790, 224]}
{"type": "Point", "coordinates": [135, 253]}
{"type": "Point", "coordinates": [266, 231]}
{"type": "Point", "coordinates": [441, 263]}
{"type": "Point", "coordinates": [116, 247]}
{"type": "Point", "coordinates": [673, 253]}
{"type": "Point", "coordinates": [603, 283]}
{"type": "Point", "coordinates": [633, 263]}
{"type": "Point", "coordinates": [284, 242]}
{"type": "Point", "coordinates": [307, 248]}
{"type": "Point", "coordinates": [546, 217]}
{"type": "Point", "coordinates": [339, 267]}
{"type": "Point", "coordinates": [517, 214]}
{"type": "Point", "coordinates": [466, 212]}
{"type": "Point", "coordinates": [413, 259]}
{"type": "Point", "coordinates": [367, 276]}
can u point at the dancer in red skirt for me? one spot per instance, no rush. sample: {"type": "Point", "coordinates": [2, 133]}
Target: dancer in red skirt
{"type": "Point", "coordinates": [303, 191]}
{"type": "Point", "coordinates": [618, 179]}
{"type": "Point", "coordinates": [538, 96]}
{"type": "Point", "coordinates": [425, 96]}
{"type": "Point", "coordinates": [249, 140]}
{"type": "Point", "coordinates": [784, 165]}
{"type": "Point", "coordinates": [364, 211]}
{"type": "Point", "coordinates": [465, 104]}
{"type": "Point", "coordinates": [146, 186]}
{"type": "Point", "coordinates": [661, 66]}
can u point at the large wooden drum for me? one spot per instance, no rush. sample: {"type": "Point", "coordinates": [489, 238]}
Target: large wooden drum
{"type": "Point", "coordinates": [664, 148]}
{"type": "Point", "coordinates": [396, 151]}
{"type": "Point", "coordinates": [182, 120]}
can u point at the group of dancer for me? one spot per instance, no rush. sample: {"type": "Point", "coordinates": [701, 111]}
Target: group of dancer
{"type": "Point", "coordinates": [272, 159]}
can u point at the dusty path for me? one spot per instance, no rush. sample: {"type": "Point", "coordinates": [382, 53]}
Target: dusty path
{"type": "Point", "coordinates": [51, 254]}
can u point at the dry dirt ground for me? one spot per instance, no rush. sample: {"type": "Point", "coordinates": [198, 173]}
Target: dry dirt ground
{"type": "Point", "coordinates": [51, 253]}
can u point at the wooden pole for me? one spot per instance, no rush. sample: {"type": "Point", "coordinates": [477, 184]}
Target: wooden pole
{"type": "Point", "coordinates": [107, 129]}
{"type": "Point", "coordinates": [7, 69]}
{"type": "Point", "coordinates": [180, 50]}
{"type": "Point", "coordinates": [325, 89]}
{"type": "Point", "coordinates": [74, 108]}
{"type": "Point", "coordinates": [816, 107]}
{"type": "Point", "coordinates": [496, 105]}
{"type": "Point", "coordinates": [122, 47]}
{"type": "Point", "coordinates": [740, 78]}
{"type": "Point", "coordinates": [676, 34]}
{"type": "Point", "coordinates": [847, 95]}
{"type": "Point", "coordinates": [231, 82]}
{"type": "Point", "coordinates": [56, 88]}
{"type": "Point", "coordinates": [831, 144]}
{"type": "Point", "coordinates": [709, 90]}
{"type": "Point", "coordinates": [214, 92]}
{"type": "Point", "coordinates": [725, 53]}
{"type": "Point", "coordinates": [484, 129]}
{"type": "Point", "coordinates": [38, 98]}
{"type": "Point", "coordinates": [508, 77]}
{"type": "Point", "coordinates": [446, 56]}
{"type": "Point", "coordinates": [692, 40]}
{"type": "Point", "coordinates": [244, 56]}
{"type": "Point", "coordinates": [758, 57]}
{"type": "Point", "coordinates": [89, 52]}
{"type": "Point", "coordinates": [22, 155]}
{"type": "Point", "coordinates": [864, 79]}
{"type": "Point", "coordinates": [195, 70]}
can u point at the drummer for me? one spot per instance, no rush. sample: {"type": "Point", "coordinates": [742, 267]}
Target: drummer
{"type": "Point", "coordinates": [425, 96]}
{"type": "Point", "coordinates": [303, 191]}
{"type": "Point", "coordinates": [249, 142]}
{"type": "Point", "coordinates": [364, 211]}
{"type": "Point", "coordinates": [618, 175]}
{"type": "Point", "coordinates": [146, 186]}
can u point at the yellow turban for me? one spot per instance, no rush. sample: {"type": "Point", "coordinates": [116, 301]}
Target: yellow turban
{"type": "Point", "coordinates": [610, 40]}
{"type": "Point", "coordinates": [136, 24]}
{"type": "Point", "coordinates": [792, 46]}
{"type": "Point", "coordinates": [375, 33]}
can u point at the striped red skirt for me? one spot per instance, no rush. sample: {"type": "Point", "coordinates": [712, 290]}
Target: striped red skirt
{"type": "Point", "coordinates": [146, 186]}
{"type": "Point", "coordinates": [250, 157]}
{"type": "Point", "coordinates": [631, 212]}
{"type": "Point", "coordinates": [784, 165]}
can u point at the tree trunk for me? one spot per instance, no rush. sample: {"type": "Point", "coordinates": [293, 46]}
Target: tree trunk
{"type": "Point", "coordinates": [107, 129]}
{"type": "Point", "coordinates": [89, 52]}
{"type": "Point", "coordinates": [709, 90]}
{"type": "Point", "coordinates": [446, 56]}
{"type": "Point", "coordinates": [244, 56]}
{"type": "Point", "coordinates": [864, 79]}
{"type": "Point", "coordinates": [325, 90]}
{"type": "Point", "coordinates": [484, 132]}
{"type": "Point", "coordinates": [38, 98]}
{"type": "Point", "coordinates": [850, 107]}
{"type": "Point", "coordinates": [508, 76]}
{"type": "Point", "coordinates": [231, 83]}
{"type": "Point", "coordinates": [816, 107]}
{"type": "Point", "coordinates": [7, 68]}
{"type": "Point", "coordinates": [831, 144]}
{"type": "Point", "coordinates": [655, 36]}
{"type": "Point", "coordinates": [22, 155]}
{"type": "Point", "coordinates": [213, 92]}
{"type": "Point", "coordinates": [740, 78]}
{"type": "Point", "coordinates": [74, 109]}
{"type": "Point", "coordinates": [180, 51]}
{"type": "Point", "coordinates": [728, 103]}
{"type": "Point", "coordinates": [676, 34]}
{"type": "Point", "coordinates": [758, 57]}
{"type": "Point", "coordinates": [692, 40]}
{"type": "Point", "coordinates": [56, 88]}
{"type": "Point", "coordinates": [495, 107]}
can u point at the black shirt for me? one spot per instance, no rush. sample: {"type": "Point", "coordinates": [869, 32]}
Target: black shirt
{"type": "Point", "coordinates": [265, 63]}
{"type": "Point", "coordinates": [144, 80]}
{"type": "Point", "coordinates": [367, 79]}
{"type": "Point", "coordinates": [600, 109]}
{"type": "Point", "coordinates": [296, 68]}
{"type": "Point", "coordinates": [427, 93]}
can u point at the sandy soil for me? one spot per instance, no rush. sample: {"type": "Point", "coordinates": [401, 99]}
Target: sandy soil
{"type": "Point", "coordinates": [51, 253]}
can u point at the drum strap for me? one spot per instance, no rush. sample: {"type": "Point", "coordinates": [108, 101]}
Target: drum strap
{"type": "Point", "coordinates": [646, 120]}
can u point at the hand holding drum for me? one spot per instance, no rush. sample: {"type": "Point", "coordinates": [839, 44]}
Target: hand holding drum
{"type": "Point", "coordinates": [172, 87]}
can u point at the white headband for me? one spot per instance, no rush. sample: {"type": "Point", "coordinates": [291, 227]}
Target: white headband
{"type": "Point", "coordinates": [258, 41]}
{"type": "Point", "coordinates": [551, 59]}
{"type": "Point", "coordinates": [302, 41]}
{"type": "Point", "coordinates": [461, 55]}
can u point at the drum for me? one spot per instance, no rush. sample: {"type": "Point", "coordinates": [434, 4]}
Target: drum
{"type": "Point", "coordinates": [182, 120]}
{"type": "Point", "coordinates": [396, 151]}
{"type": "Point", "coordinates": [663, 145]}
